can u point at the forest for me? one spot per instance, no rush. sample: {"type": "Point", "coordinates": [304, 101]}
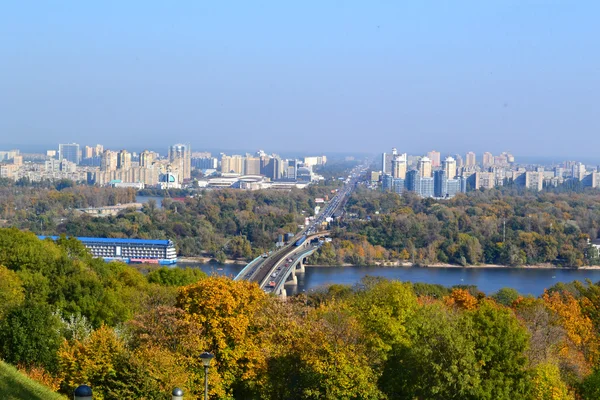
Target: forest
{"type": "Point", "coordinates": [499, 226]}
{"type": "Point", "coordinates": [222, 224]}
{"type": "Point", "coordinates": [67, 319]}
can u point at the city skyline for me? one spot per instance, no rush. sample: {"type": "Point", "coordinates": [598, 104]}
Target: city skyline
{"type": "Point", "coordinates": [163, 148]}
{"type": "Point", "coordinates": [440, 76]}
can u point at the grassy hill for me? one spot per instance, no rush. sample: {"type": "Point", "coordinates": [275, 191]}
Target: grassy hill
{"type": "Point", "coordinates": [16, 386]}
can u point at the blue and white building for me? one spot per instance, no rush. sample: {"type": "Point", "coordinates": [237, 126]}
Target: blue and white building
{"type": "Point", "coordinates": [129, 250]}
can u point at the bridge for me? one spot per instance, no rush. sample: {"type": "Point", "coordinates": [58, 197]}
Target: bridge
{"type": "Point", "coordinates": [278, 269]}
{"type": "Point", "coordinates": [275, 270]}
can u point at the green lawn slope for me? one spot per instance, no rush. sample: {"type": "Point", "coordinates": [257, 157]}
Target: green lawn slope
{"type": "Point", "coordinates": [16, 386]}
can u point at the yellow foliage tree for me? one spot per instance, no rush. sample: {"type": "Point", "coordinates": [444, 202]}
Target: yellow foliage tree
{"type": "Point", "coordinates": [547, 384]}
{"type": "Point", "coordinates": [578, 326]}
{"type": "Point", "coordinates": [461, 298]}
{"type": "Point", "coordinates": [225, 309]}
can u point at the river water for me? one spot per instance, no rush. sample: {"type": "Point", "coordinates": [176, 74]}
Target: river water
{"type": "Point", "coordinates": [145, 199]}
{"type": "Point", "coordinates": [488, 280]}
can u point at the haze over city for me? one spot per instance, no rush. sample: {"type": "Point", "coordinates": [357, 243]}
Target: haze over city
{"type": "Point", "coordinates": [331, 77]}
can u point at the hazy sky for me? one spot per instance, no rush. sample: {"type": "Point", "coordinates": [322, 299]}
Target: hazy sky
{"type": "Point", "coordinates": [454, 76]}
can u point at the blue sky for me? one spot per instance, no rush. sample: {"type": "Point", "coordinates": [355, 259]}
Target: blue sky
{"type": "Point", "coordinates": [342, 76]}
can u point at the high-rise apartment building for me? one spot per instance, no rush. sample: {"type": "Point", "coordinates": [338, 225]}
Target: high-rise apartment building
{"type": "Point", "coordinates": [123, 159]}
{"type": "Point", "coordinates": [232, 164]}
{"type": "Point", "coordinates": [450, 167]}
{"type": "Point", "coordinates": [434, 156]}
{"type": "Point", "coordinates": [425, 167]}
{"type": "Point", "coordinates": [271, 167]}
{"type": "Point", "coordinates": [291, 169]}
{"type": "Point", "coordinates": [109, 161]}
{"type": "Point", "coordinates": [180, 157]}
{"type": "Point", "coordinates": [488, 159]}
{"type": "Point", "coordinates": [386, 161]}
{"type": "Point", "coordinates": [69, 152]}
{"type": "Point", "coordinates": [459, 161]}
{"type": "Point", "coordinates": [440, 183]}
{"type": "Point", "coordinates": [399, 166]}
{"type": "Point", "coordinates": [205, 162]}
{"type": "Point", "coordinates": [98, 150]}
{"type": "Point", "coordinates": [470, 160]}
{"type": "Point", "coordinates": [252, 165]}
{"type": "Point", "coordinates": [88, 152]}
{"type": "Point", "coordinates": [578, 171]}
{"type": "Point", "coordinates": [146, 158]}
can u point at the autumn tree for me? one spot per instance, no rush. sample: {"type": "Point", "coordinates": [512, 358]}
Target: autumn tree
{"type": "Point", "coordinates": [225, 310]}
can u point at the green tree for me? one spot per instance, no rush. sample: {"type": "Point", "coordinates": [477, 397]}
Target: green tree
{"type": "Point", "coordinates": [505, 296]}
{"type": "Point", "coordinates": [31, 335]}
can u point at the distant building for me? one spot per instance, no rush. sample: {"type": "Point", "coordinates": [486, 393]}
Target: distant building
{"type": "Point", "coordinates": [387, 183]}
{"type": "Point", "coordinates": [425, 167]}
{"type": "Point", "coordinates": [315, 160]}
{"type": "Point", "coordinates": [440, 183]}
{"type": "Point", "coordinates": [386, 161]}
{"type": "Point", "coordinates": [459, 161]}
{"type": "Point", "coordinates": [453, 187]}
{"type": "Point", "coordinates": [534, 180]}
{"type": "Point", "coordinates": [88, 152]}
{"type": "Point", "coordinates": [434, 156]}
{"type": "Point", "coordinates": [69, 152]}
{"type": "Point", "coordinates": [146, 158]}
{"type": "Point", "coordinates": [450, 167]}
{"type": "Point", "coordinates": [291, 169]}
{"type": "Point", "coordinates": [252, 165]}
{"type": "Point", "coordinates": [484, 180]}
{"type": "Point", "coordinates": [123, 159]}
{"type": "Point", "coordinates": [591, 180]}
{"type": "Point", "coordinates": [303, 174]}
{"type": "Point", "coordinates": [206, 163]}
{"type": "Point", "coordinates": [180, 157]}
{"type": "Point", "coordinates": [470, 160]}
{"type": "Point", "coordinates": [398, 185]}
{"type": "Point", "coordinates": [233, 164]}
{"type": "Point", "coordinates": [578, 171]}
{"type": "Point", "coordinates": [399, 166]}
{"type": "Point", "coordinates": [488, 159]}
{"type": "Point", "coordinates": [423, 186]}
{"type": "Point", "coordinates": [109, 161]}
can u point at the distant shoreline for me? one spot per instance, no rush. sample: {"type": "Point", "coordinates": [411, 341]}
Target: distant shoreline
{"type": "Point", "coordinates": [480, 266]}
{"type": "Point", "coordinates": [206, 260]}
{"type": "Point", "coordinates": [229, 261]}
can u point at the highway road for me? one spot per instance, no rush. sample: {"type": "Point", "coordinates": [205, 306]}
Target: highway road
{"type": "Point", "coordinates": [273, 268]}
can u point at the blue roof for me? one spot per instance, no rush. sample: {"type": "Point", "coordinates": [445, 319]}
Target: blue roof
{"type": "Point", "coordinates": [115, 240]}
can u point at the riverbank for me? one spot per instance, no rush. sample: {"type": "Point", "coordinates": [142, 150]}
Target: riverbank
{"type": "Point", "coordinates": [206, 260]}
{"type": "Point", "coordinates": [397, 264]}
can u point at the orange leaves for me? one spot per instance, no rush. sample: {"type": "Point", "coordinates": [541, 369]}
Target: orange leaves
{"type": "Point", "coordinates": [461, 298]}
{"type": "Point", "coordinates": [579, 328]}
{"type": "Point", "coordinates": [42, 376]}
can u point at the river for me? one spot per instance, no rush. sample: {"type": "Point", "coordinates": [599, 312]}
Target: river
{"type": "Point", "coordinates": [488, 280]}
{"type": "Point", "coordinates": [145, 199]}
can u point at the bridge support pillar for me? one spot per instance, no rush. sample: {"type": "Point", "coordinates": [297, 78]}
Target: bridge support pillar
{"type": "Point", "coordinates": [282, 293]}
{"type": "Point", "coordinates": [300, 266]}
{"type": "Point", "coordinates": [292, 278]}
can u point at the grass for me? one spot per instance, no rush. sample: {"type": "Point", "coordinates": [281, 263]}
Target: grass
{"type": "Point", "coordinates": [17, 386]}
